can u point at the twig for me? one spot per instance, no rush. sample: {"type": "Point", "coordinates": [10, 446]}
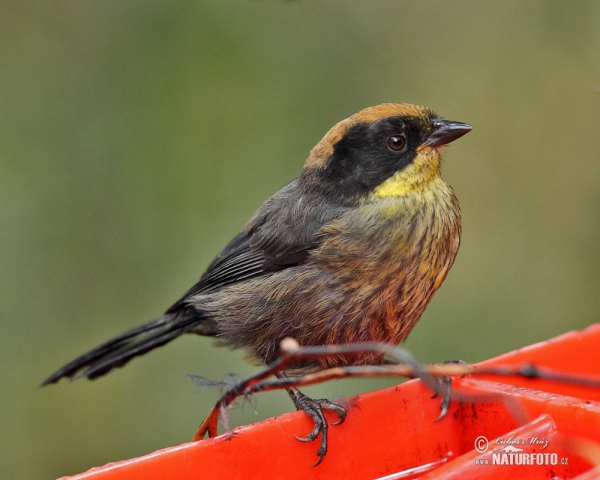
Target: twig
{"type": "Point", "coordinates": [407, 367]}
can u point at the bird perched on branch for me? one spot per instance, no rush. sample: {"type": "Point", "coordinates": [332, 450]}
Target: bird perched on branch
{"type": "Point", "coordinates": [351, 250]}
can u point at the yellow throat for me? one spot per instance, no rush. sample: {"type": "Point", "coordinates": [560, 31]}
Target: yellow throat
{"type": "Point", "coordinates": [416, 177]}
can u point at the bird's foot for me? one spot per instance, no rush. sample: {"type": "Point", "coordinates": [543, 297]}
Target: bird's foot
{"type": "Point", "coordinates": [443, 388]}
{"type": "Point", "coordinates": [314, 409]}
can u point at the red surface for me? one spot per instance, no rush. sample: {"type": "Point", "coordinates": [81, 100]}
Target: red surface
{"type": "Point", "coordinates": [392, 432]}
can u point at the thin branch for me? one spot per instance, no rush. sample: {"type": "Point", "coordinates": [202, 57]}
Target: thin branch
{"type": "Point", "coordinates": [407, 366]}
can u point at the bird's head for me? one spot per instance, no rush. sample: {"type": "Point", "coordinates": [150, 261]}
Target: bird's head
{"type": "Point", "coordinates": [382, 151]}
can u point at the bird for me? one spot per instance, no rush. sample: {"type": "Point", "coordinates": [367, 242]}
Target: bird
{"type": "Point", "coordinates": [351, 250]}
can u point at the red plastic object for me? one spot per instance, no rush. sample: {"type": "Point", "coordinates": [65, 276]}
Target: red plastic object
{"type": "Point", "coordinates": [391, 433]}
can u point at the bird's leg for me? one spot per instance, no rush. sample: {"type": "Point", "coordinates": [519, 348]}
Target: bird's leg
{"type": "Point", "coordinates": [314, 409]}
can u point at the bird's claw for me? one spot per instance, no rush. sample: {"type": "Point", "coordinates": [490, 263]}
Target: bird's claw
{"type": "Point", "coordinates": [318, 427]}
{"type": "Point", "coordinates": [443, 386]}
{"type": "Point", "coordinates": [314, 409]}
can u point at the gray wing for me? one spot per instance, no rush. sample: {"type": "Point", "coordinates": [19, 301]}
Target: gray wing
{"type": "Point", "coordinates": [280, 235]}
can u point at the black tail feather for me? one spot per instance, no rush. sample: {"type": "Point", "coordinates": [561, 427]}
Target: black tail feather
{"type": "Point", "coordinates": [117, 351]}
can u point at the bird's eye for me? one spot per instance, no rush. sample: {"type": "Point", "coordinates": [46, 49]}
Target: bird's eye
{"type": "Point", "coordinates": [396, 143]}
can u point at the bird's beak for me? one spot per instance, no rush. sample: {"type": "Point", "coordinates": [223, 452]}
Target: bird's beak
{"type": "Point", "coordinates": [446, 131]}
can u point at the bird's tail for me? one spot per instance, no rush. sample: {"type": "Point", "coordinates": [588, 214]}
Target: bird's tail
{"type": "Point", "coordinates": [117, 351]}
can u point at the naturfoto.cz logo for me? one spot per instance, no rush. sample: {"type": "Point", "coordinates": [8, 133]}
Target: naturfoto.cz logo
{"type": "Point", "coordinates": [509, 453]}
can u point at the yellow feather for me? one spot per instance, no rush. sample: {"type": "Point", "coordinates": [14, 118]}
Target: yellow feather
{"type": "Point", "coordinates": [416, 177]}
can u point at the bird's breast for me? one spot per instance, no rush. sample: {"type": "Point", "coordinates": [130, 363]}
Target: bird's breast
{"type": "Point", "coordinates": [388, 258]}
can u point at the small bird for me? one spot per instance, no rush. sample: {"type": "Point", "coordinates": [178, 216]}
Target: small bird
{"type": "Point", "coordinates": [352, 250]}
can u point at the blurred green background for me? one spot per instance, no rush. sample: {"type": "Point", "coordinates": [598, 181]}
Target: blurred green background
{"type": "Point", "coordinates": [136, 138]}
